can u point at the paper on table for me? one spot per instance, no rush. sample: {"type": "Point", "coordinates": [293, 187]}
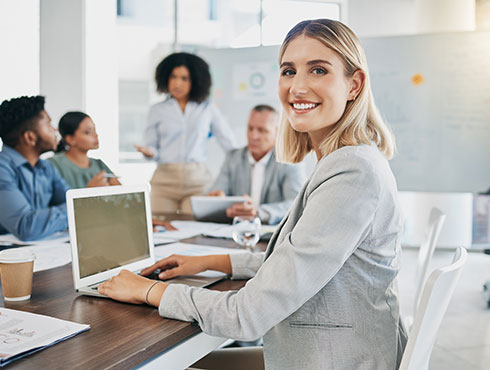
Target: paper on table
{"type": "Point", "coordinates": [224, 232]}
{"type": "Point", "coordinates": [194, 250]}
{"type": "Point", "coordinates": [23, 333]}
{"type": "Point", "coordinates": [56, 238]}
{"type": "Point", "coordinates": [50, 253]}
{"type": "Point", "coordinates": [227, 231]}
{"type": "Point", "coordinates": [50, 256]}
{"type": "Point", "coordinates": [159, 239]}
{"type": "Point", "coordinates": [186, 229]}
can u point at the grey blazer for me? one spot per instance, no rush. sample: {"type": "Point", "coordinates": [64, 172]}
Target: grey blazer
{"type": "Point", "coordinates": [282, 182]}
{"type": "Point", "coordinates": [325, 295]}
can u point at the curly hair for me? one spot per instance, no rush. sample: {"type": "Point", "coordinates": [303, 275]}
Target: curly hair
{"type": "Point", "coordinates": [198, 69]}
{"type": "Point", "coordinates": [19, 115]}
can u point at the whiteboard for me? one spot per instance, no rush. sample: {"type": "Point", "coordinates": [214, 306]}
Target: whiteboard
{"type": "Point", "coordinates": [243, 78]}
{"type": "Point", "coordinates": [230, 69]}
{"type": "Point", "coordinates": [433, 90]}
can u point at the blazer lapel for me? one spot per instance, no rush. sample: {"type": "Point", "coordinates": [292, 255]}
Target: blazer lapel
{"type": "Point", "coordinates": [275, 235]}
{"type": "Point", "coordinates": [296, 209]}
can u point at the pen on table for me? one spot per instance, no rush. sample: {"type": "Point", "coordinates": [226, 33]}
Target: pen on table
{"type": "Point", "coordinates": [6, 245]}
{"type": "Point", "coordinates": [111, 176]}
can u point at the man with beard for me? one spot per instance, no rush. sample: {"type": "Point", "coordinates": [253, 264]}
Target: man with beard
{"type": "Point", "coordinates": [32, 193]}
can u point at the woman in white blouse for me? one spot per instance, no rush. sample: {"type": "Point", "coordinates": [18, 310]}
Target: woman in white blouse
{"type": "Point", "coordinates": [178, 131]}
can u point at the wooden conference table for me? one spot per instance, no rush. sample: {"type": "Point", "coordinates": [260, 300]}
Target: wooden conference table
{"type": "Point", "coordinates": [122, 336]}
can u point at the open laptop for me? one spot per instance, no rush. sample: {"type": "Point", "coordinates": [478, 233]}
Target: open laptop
{"type": "Point", "coordinates": [110, 230]}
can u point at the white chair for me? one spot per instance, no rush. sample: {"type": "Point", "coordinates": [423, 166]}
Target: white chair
{"type": "Point", "coordinates": [426, 251]}
{"type": "Point", "coordinates": [434, 300]}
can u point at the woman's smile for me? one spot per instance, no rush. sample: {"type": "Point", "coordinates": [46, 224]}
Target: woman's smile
{"type": "Point", "coordinates": [302, 106]}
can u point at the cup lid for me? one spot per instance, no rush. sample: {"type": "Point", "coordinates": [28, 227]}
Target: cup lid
{"type": "Point", "coordinates": [15, 255]}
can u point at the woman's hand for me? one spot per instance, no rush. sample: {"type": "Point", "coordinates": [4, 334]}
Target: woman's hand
{"type": "Point", "coordinates": [99, 179]}
{"type": "Point", "coordinates": [132, 288]}
{"type": "Point", "coordinates": [177, 265]}
{"type": "Point", "coordinates": [147, 152]}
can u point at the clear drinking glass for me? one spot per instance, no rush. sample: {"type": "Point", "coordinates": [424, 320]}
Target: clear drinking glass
{"type": "Point", "coordinates": [246, 231]}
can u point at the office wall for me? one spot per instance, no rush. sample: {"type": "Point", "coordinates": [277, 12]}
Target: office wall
{"type": "Point", "coordinates": [62, 56]}
{"type": "Point", "coordinates": [434, 92]}
{"type": "Point", "coordinates": [482, 12]}
{"type": "Point", "coordinates": [402, 17]}
{"type": "Point", "coordinates": [445, 15]}
{"type": "Point", "coordinates": [79, 65]}
{"type": "Point", "coordinates": [395, 18]}
{"type": "Point", "coordinates": [19, 40]}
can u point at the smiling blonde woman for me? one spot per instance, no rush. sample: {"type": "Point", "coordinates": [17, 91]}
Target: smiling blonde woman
{"type": "Point", "coordinates": [324, 294]}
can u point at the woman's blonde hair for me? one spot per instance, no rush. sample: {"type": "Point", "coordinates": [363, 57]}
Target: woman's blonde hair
{"type": "Point", "coordinates": [361, 122]}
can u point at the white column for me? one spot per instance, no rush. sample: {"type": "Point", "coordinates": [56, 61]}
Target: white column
{"type": "Point", "coordinates": [79, 65]}
{"type": "Point", "coordinates": [101, 75]}
{"type": "Point", "coordinates": [19, 40]}
{"type": "Point", "coordinates": [482, 18]}
{"type": "Point", "coordinates": [445, 15]}
{"type": "Point", "coordinates": [62, 66]}
{"type": "Point", "coordinates": [389, 18]}
{"type": "Point", "coordinates": [377, 18]}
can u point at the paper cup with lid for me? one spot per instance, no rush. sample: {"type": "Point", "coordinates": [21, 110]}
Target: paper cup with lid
{"type": "Point", "coordinates": [16, 269]}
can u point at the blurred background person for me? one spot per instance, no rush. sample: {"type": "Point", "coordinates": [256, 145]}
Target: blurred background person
{"type": "Point", "coordinates": [178, 130]}
{"type": "Point", "coordinates": [32, 192]}
{"type": "Point", "coordinates": [254, 172]}
{"type": "Point", "coordinates": [78, 137]}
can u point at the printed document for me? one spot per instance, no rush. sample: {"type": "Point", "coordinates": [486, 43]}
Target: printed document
{"type": "Point", "coordinates": [23, 333]}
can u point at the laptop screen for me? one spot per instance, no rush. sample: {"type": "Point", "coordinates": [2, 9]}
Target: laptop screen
{"type": "Point", "coordinates": [111, 231]}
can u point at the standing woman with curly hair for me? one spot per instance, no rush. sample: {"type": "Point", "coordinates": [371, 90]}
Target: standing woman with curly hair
{"type": "Point", "coordinates": [178, 130]}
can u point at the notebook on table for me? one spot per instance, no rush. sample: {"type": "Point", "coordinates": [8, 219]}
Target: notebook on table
{"type": "Point", "coordinates": [110, 230]}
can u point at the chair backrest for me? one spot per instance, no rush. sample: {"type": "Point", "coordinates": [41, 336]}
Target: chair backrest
{"type": "Point", "coordinates": [436, 220]}
{"type": "Point", "coordinates": [434, 300]}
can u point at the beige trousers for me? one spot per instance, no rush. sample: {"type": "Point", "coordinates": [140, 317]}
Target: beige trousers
{"type": "Point", "coordinates": [173, 184]}
{"type": "Point", "coordinates": [242, 358]}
